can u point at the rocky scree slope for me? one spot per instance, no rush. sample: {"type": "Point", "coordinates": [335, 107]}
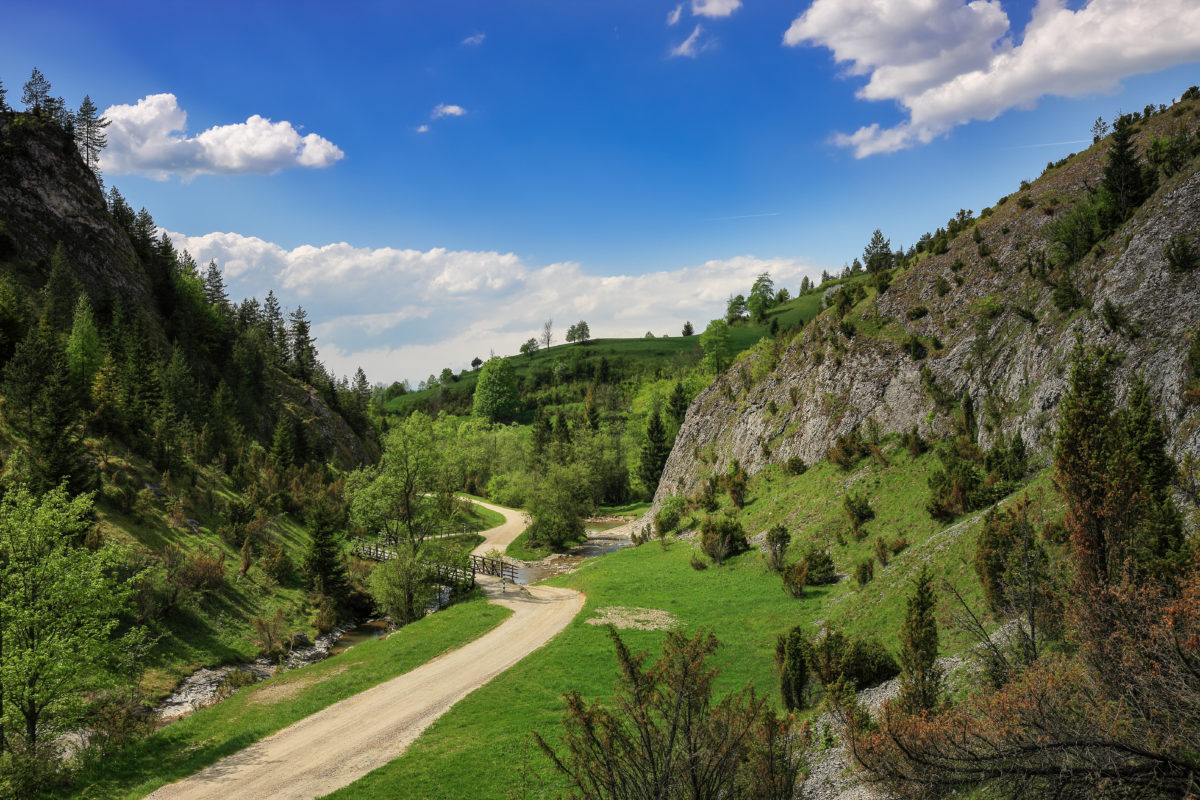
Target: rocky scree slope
{"type": "Point", "coordinates": [1001, 335]}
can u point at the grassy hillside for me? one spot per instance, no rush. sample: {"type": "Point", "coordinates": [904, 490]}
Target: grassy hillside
{"type": "Point", "coordinates": [482, 748]}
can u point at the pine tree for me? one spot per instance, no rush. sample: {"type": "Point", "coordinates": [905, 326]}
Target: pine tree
{"type": "Point", "coordinates": [178, 386]}
{"type": "Point", "coordinates": [325, 563]}
{"type": "Point", "coordinates": [3, 98]}
{"type": "Point", "coordinates": [121, 211]}
{"type": "Point", "coordinates": [214, 287]}
{"type": "Point", "coordinates": [61, 292]}
{"type": "Point", "coordinates": [970, 427]}
{"type": "Point", "coordinates": [23, 375]}
{"type": "Point", "coordinates": [84, 354]}
{"type": "Point", "coordinates": [792, 653]}
{"type": "Point", "coordinates": [654, 452]}
{"type": "Point", "coordinates": [36, 94]}
{"type": "Point", "coordinates": [1126, 183]}
{"type": "Point", "coordinates": [55, 441]}
{"type": "Point", "coordinates": [877, 255]}
{"type": "Point", "coordinates": [688, 329]}
{"type": "Point", "coordinates": [591, 411]}
{"type": "Point", "coordinates": [89, 133]}
{"type": "Point", "coordinates": [920, 676]}
{"type": "Point", "coordinates": [677, 406]}
{"type": "Point", "coordinates": [303, 348]}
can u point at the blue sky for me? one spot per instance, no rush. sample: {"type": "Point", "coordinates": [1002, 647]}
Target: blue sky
{"type": "Point", "coordinates": [432, 181]}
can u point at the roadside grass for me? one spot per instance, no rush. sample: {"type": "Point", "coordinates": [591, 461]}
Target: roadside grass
{"type": "Point", "coordinates": [255, 712]}
{"type": "Point", "coordinates": [482, 747]}
{"type": "Point", "coordinates": [634, 509]}
{"type": "Point", "coordinates": [521, 548]}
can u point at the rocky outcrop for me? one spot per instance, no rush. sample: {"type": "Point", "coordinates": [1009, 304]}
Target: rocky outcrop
{"type": "Point", "coordinates": [993, 329]}
{"type": "Point", "coordinates": [48, 196]}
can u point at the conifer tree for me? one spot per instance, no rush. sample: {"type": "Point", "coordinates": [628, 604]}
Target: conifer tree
{"type": "Point", "coordinates": [178, 386]}
{"type": "Point", "coordinates": [121, 211]}
{"type": "Point", "coordinates": [214, 287]}
{"type": "Point", "coordinates": [654, 452]}
{"type": "Point", "coordinates": [970, 427]}
{"type": "Point", "coordinates": [55, 441]}
{"type": "Point", "coordinates": [84, 354]}
{"type": "Point", "coordinates": [677, 406]}
{"type": "Point", "coordinates": [89, 133]}
{"type": "Point", "coordinates": [60, 293]}
{"type": "Point", "coordinates": [36, 94]}
{"type": "Point", "coordinates": [1126, 183]}
{"type": "Point", "coordinates": [920, 676]}
{"type": "Point", "coordinates": [23, 376]}
{"type": "Point", "coordinates": [688, 328]}
{"type": "Point", "coordinates": [591, 411]}
{"type": "Point", "coordinates": [303, 348]}
{"type": "Point", "coordinates": [792, 652]}
{"type": "Point", "coordinates": [325, 563]}
{"type": "Point", "coordinates": [3, 98]}
{"type": "Point", "coordinates": [273, 317]}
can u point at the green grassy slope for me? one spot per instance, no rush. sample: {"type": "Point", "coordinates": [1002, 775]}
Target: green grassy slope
{"type": "Point", "coordinates": [478, 749]}
{"type": "Point", "coordinates": [258, 711]}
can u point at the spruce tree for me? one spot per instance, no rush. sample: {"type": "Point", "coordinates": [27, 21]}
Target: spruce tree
{"type": "Point", "coordinates": [591, 411]}
{"type": "Point", "coordinates": [55, 440]}
{"type": "Point", "coordinates": [325, 563]}
{"type": "Point", "coordinates": [83, 348]}
{"type": "Point", "coordinates": [273, 318]}
{"type": "Point", "coordinates": [303, 347]}
{"type": "Point", "coordinates": [61, 292]}
{"type": "Point", "coordinates": [654, 452]}
{"type": "Point", "coordinates": [677, 406]}
{"type": "Point", "coordinates": [1126, 183]}
{"type": "Point", "coordinates": [3, 98]}
{"type": "Point", "coordinates": [920, 676]}
{"type": "Point", "coordinates": [89, 133]}
{"type": "Point", "coordinates": [23, 375]}
{"type": "Point", "coordinates": [214, 287]}
{"type": "Point", "coordinates": [792, 654]}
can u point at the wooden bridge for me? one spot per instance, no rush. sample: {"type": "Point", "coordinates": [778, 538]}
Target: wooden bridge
{"type": "Point", "coordinates": [443, 573]}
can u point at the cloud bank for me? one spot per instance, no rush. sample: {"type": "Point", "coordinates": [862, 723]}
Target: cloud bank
{"type": "Point", "coordinates": [947, 62]}
{"type": "Point", "coordinates": [402, 313]}
{"type": "Point", "coordinates": [149, 138]}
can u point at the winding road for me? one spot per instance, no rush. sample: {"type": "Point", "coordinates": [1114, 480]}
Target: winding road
{"type": "Point", "coordinates": [345, 741]}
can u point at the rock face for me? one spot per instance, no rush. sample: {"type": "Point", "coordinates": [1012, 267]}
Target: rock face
{"type": "Point", "coordinates": [1001, 336]}
{"type": "Point", "coordinates": [48, 196]}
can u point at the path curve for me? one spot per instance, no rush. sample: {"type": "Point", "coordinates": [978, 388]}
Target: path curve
{"type": "Point", "coordinates": [338, 745]}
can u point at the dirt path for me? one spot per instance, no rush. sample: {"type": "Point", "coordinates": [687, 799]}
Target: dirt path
{"type": "Point", "coordinates": [501, 536]}
{"type": "Point", "coordinates": [345, 741]}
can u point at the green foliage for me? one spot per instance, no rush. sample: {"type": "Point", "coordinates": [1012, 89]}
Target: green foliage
{"type": "Point", "coordinates": [715, 341]}
{"type": "Point", "coordinates": [916, 312]}
{"type": "Point", "coordinates": [325, 562]}
{"type": "Point", "coordinates": [795, 465]}
{"type": "Point", "coordinates": [858, 509]}
{"type": "Point", "coordinates": [665, 736]}
{"type": "Point", "coordinates": [863, 661]}
{"type": "Point", "coordinates": [722, 536]}
{"type": "Point", "coordinates": [778, 539]}
{"type": "Point", "coordinates": [496, 391]}
{"type": "Point", "coordinates": [793, 650]}
{"type": "Point", "coordinates": [864, 571]}
{"type": "Point", "coordinates": [558, 505]}
{"type": "Point", "coordinates": [669, 515]}
{"type": "Point", "coordinates": [847, 450]}
{"type": "Point", "coordinates": [1181, 254]}
{"type": "Point", "coordinates": [920, 676]}
{"type": "Point", "coordinates": [401, 588]}
{"type": "Point", "coordinates": [655, 450]}
{"type": "Point", "coordinates": [941, 286]}
{"type": "Point", "coordinates": [820, 570]}
{"type": "Point", "coordinates": [1127, 183]}
{"type": "Point", "coordinates": [735, 483]}
{"type": "Point", "coordinates": [62, 604]}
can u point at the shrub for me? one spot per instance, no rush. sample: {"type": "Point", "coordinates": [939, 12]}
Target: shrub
{"type": "Point", "coordinates": [795, 578]}
{"type": "Point", "coordinates": [866, 662]}
{"type": "Point", "coordinates": [864, 571]}
{"type": "Point", "coordinates": [778, 540]}
{"type": "Point", "coordinates": [915, 443]}
{"type": "Point", "coordinates": [735, 483]}
{"type": "Point", "coordinates": [881, 552]}
{"type": "Point", "coordinates": [858, 509]}
{"type": "Point", "coordinates": [668, 516]}
{"type": "Point", "coordinates": [1181, 254]}
{"type": "Point", "coordinates": [1025, 201]}
{"type": "Point", "coordinates": [276, 564]}
{"type": "Point", "coordinates": [819, 566]}
{"type": "Point", "coordinates": [792, 656]}
{"type": "Point", "coordinates": [698, 563]}
{"type": "Point", "coordinates": [722, 537]}
{"type": "Point", "coordinates": [916, 312]}
{"type": "Point", "coordinates": [915, 349]}
{"type": "Point", "coordinates": [898, 545]}
{"type": "Point", "coordinates": [941, 286]}
{"type": "Point", "coordinates": [847, 449]}
{"type": "Point", "coordinates": [795, 466]}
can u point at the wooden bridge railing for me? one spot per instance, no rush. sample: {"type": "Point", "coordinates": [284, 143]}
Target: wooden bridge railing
{"type": "Point", "coordinates": [444, 573]}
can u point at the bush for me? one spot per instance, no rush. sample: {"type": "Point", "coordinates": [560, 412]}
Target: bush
{"type": "Point", "coordinates": [1181, 254]}
{"type": "Point", "coordinates": [1025, 201]}
{"type": "Point", "coordinates": [858, 509]}
{"type": "Point", "coordinates": [276, 564]}
{"type": "Point", "coordinates": [898, 545]}
{"type": "Point", "coordinates": [915, 349]}
{"type": "Point", "coordinates": [863, 662]}
{"type": "Point", "coordinates": [819, 566]}
{"type": "Point", "coordinates": [881, 552]}
{"type": "Point", "coordinates": [778, 540]}
{"type": "Point", "coordinates": [795, 466]}
{"type": "Point", "coordinates": [941, 286]}
{"type": "Point", "coordinates": [864, 571]}
{"type": "Point", "coordinates": [915, 443]}
{"type": "Point", "coordinates": [916, 312]}
{"type": "Point", "coordinates": [722, 537]}
{"type": "Point", "coordinates": [847, 449]}
{"type": "Point", "coordinates": [698, 563]}
{"type": "Point", "coordinates": [668, 516]}
{"type": "Point", "coordinates": [795, 578]}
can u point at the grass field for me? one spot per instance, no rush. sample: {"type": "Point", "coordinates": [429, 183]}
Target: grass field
{"type": "Point", "coordinates": [482, 747]}
{"type": "Point", "coordinates": [255, 712]}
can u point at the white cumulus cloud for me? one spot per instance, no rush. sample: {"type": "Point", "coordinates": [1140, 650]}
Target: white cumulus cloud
{"type": "Point", "coordinates": [947, 62]}
{"type": "Point", "coordinates": [403, 313]}
{"type": "Point", "coordinates": [674, 14]}
{"type": "Point", "coordinates": [715, 8]}
{"type": "Point", "coordinates": [149, 138]}
{"type": "Point", "coordinates": [444, 110]}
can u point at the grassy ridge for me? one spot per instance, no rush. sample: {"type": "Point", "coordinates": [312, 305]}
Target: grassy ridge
{"type": "Point", "coordinates": [253, 713]}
